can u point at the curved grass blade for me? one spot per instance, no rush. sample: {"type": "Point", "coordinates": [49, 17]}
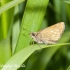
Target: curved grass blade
{"type": "Point", "coordinates": [10, 5]}
{"type": "Point", "coordinates": [21, 56]}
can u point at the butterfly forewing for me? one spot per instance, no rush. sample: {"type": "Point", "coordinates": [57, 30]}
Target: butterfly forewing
{"type": "Point", "coordinates": [51, 34]}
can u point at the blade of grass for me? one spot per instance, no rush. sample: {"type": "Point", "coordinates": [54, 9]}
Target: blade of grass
{"type": "Point", "coordinates": [67, 2]}
{"type": "Point", "coordinates": [6, 22]}
{"type": "Point", "coordinates": [32, 20]}
{"type": "Point", "coordinates": [16, 28]}
{"type": "Point", "coordinates": [5, 51]}
{"type": "Point", "coordinates": [22, 55]}
{"type": "Point", "coordinates": [5, 47]}
{"type": "Point", "coordinates": [57, 7]}
{"type": "Point", "coordinates": [45, 55]}
{"type": "Point", "coordinates": [10, 5]}
{"type": "Point", "coordinates": [67, 10]}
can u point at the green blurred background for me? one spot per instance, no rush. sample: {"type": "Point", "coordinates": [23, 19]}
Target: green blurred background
{"type": "Point", "coordinates": [14, 20]}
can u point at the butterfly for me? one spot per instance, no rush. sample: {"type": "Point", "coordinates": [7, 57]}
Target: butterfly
{"type": "Point", "coordinates": [49, 35]}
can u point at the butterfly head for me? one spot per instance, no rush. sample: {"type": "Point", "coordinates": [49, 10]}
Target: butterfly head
{"type": "Point", "coordinates": [33, 35]}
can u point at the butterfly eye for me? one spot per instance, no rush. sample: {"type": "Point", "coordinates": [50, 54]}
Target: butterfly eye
{"type": "Point", "coordinates": [33, 34]}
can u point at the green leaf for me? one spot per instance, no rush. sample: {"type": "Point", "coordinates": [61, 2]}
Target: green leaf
{"type": "Point", "coordinates": [32, 20]}
{"type": "Point", "coordinates": [10, 5]}
{"type": "Point", "coordinates": [21, 56]}
{"type": "Point", "coordinates": [5, 51]}
{"type": "Point", "coordinates": [67, 2]}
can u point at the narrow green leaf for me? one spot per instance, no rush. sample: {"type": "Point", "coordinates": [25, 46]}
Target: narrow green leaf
{"type": "Point", "coordinates": [32, 20]}
{"type": "Point", "coordinates": [17, 59]}
{"type": "Point", "coordinates": [45, 55]}
{"type": "Point", "coordinates": [10, 5]}
{"type": "Point", "coordinates": [5, 51]}
{"type": "Point", "coordinates": [67, 2]}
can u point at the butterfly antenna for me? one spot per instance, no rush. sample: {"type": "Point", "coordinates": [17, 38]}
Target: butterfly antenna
{"type": "Point", "coordinates": [26, 30]}
{"type": "Point", "coordinates": [25, 36]}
